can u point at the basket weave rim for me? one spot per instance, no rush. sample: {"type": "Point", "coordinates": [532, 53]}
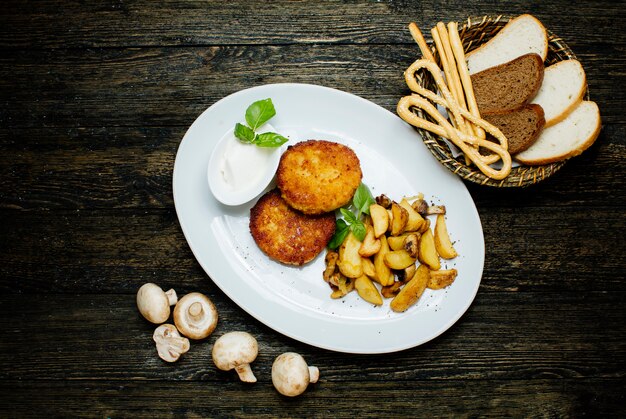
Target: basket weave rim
{"type": "Point", "coordinates": [520, 176]}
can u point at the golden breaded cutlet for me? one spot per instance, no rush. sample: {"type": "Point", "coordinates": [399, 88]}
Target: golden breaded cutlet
{"type": "Point", "coordinates": [317, 176]}
{"type": "Point", "coordinates": [287, 235]}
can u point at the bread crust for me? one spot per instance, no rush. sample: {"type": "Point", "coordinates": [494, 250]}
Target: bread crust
{"type": "Point", "coordinates": [573, 105]}
{"type": "Point", "coordinates": [318, 176]}
{"type": "Point", "coordinates": [287, 235]}
{"type": "Point", "coordinates": [510, 23]}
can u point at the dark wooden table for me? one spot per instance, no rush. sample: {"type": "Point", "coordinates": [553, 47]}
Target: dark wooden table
{"type": "Point", "coordinates": [95, 97]}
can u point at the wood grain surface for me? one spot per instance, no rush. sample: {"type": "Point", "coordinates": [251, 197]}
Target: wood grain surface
{"type": "Point", "coordinates": [95, 97]}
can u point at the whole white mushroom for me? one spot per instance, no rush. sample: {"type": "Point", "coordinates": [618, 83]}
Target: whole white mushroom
{"type": "Point", "coordinates": [154, 303]}
{"type": "Point", "coordinates": [195, 316]}
{"type": "Point", "coordinates": [236, 350]}
{"type": "Point", "coordinates": [291, 375]}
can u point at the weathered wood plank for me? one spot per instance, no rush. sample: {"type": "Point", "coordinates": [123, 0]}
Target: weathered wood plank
{"type": "Point", "coordinates": [149, 87]}
{"type": "Point", "coordinates": [27, 24]}
{"type": "Point", "coordinates": [89, 251]}
{"type": "Point", "coordinates": [432, 398]}
{"type": "Point", "coordinates": [503, 336]}
{"type": "Point", "coordinates": [115, 167]}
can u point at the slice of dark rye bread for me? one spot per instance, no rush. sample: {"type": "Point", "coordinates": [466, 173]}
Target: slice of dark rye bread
{"type": "Point", "coordinates": [508, 86]}
{"type": "Point", "coordinates": [520, 126]}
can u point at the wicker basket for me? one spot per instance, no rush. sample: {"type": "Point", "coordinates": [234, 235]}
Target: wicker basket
{"type": "Point", "coordinates": [473, 33]}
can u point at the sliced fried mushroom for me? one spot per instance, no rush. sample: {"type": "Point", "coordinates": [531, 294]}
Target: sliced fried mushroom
{"type": "Point", "coordinates": [236, 350]}
{"type": "Point", "coordinates": [170, 344]}
{"type": "Point", "coordinates": [195, 316]}
{"type": "Point", "coordinates": [154, 304]}
{"type": "Point", "coordinates": [291, 375]}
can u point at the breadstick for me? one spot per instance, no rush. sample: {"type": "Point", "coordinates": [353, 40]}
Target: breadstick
{"type": "Point", "coordinates": [454, 83]}
{"type": "Point", "coordinates": [421, 42]}
{"type": "Point", "coordinates": [466, 81]}
{"type": "Point", "coordinates": [444, 129]}
{"type": "Point", "coordinates": [448, 101]}
{"type": "Point", "coordinates": [458, 121]}
{"type": "Point", "coordinates": [404, 110]}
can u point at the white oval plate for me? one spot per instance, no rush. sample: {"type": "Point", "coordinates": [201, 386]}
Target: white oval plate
{"type": "Point", "coordinates": [296, 301]}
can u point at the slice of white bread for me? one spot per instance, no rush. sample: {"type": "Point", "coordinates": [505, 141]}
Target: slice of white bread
{"type": "Point", "coordinates": [564, 85]}
{"type": "Point", "coordinates": [566, 139]}
{"type": "Point", "coordinates": [522, 35]}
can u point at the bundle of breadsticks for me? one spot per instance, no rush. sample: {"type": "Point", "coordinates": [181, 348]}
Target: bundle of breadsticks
{"type": "Point", "coordinates": [456, 95]}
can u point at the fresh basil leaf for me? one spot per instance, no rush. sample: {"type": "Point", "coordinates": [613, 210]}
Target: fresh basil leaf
{"type": "Point", "coordinates": [259, 113]}
{"type": "Point", "coordinates": [341, 231]}
{"type": "Point", "coordinates": [358, 229]}
{"type": "Point", "coordinates": [270, 139]}
{"type": "Point", "coordinates": [349, 216]}
{"type": "Point", "coordinates": [363, 199]}
{"type": "Point", "coordinates": [244, 133]}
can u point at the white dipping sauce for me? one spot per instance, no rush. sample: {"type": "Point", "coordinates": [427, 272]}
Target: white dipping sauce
{"type": "Point", "coordinates": [238, 171]}
{"type": "Point", "coordinates": [244, 165]}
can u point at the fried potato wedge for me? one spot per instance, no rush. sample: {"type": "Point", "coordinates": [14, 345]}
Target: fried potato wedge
{"type": "Point", "coordinates": [415, 221]}
{"type": "Point", "coordinates": [400, 217]}
{"type": "Point", "coordinates": [396, 242]}
{"type": "Point", "coordinates": [370, 245]}
{"type": "Point", "coordinates": [442, 239]}
{"type": "Point", "coordinates": [384, 275]}
{"type": "Point", "coordinates": [427, 251]}
{"type": "Point", "coordinates": [441, 278]}
{"type": "Point", "coordinates": [380, 219]}
{"type": "Point", "coordinates": [399, 259]}
{"type": "Point", "coordinates": [412, 291]}
{"type": "Point", "coordinates": [367, 290]}
{"type": "Point", "coordinates": [349, 262]}
{"type": "Point", "coordinates": [368, 267]}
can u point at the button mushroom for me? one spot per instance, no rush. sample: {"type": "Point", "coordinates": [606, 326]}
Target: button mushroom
{"type": "Point", "coordinates": [154, 304]}
{"type": "Point", "coordinates": [170, 344]}
{"type": "Point", "coordinates": [291, 375]}
{"type": "Point", "coordinates": [236, 350]}
{"type": "Point", "coordinates": [195, 316]}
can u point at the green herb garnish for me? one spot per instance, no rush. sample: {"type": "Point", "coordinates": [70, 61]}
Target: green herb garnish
{"type": "Point", "coordinates": [361, 202]}
{"type": "Point", "coordinates": [258, 114]}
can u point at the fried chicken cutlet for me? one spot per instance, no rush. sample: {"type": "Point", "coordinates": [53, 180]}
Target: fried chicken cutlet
{"type": "Point", "coordinates": [318, 176]}
{"type": "Point", "coordinates": [287, 235]}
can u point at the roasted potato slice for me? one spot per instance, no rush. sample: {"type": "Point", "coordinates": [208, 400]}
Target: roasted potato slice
{"type": "Point", "coordinates": [349, 262]}
{"type": "Point", "coordinates": [427, 252]}
{"type": "Point", "coordinates": [442, 239]}
{"type": "Point", "coordinates": [400, 217]}
{"type": "Point", "coordinates": [425, 226]}
{"type": "Point", "coordinates": [392, 290]}
{"type": "Point", "coordinates": [412, 291]}
{"type": "Point", "coordinates": [415, 221]}
{"type": "Point", "coordinates": [380, 219]}
{"type": "Point", "coordinates": [367, 290]}
{"type": "Point", "coordinates": [398, 259]}
{"type": "Point", "coordinates": [368, 267]}
{"type": "Point", "coordinates": [396, 242]}
{"type": "Point", "coordinates": [370, 245]}
{"type": "Point", "coordinates": [384, 276]}
{"type": "Point", "coordinates": [441, 278]}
